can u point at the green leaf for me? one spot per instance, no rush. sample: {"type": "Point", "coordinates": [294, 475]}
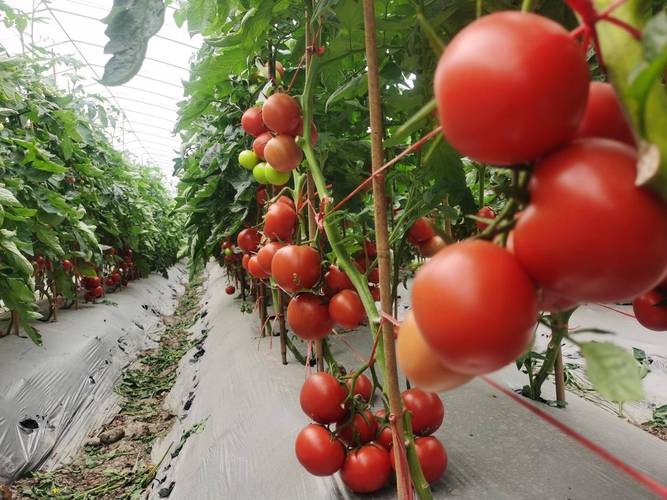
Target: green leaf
{"type": "Point", "coordinates": [7, 198]}
{"type": "Point", "coordinates": [613, 371]}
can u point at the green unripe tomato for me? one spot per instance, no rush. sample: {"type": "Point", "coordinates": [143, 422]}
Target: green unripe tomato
{"type": "Point", "coordinates": [274, 177]}
{"type": "Point", "coordinates": [259, 173]}
{"type": "Point", "coordinates": [248, 159]}
{"type": "Point", "coordinates": [228, 251]}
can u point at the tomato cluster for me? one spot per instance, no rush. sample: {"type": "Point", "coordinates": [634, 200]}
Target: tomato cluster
{"type": "Point", "coordinates": [587, 234]}
{"type": "Point", "coordinates": [360, 446]}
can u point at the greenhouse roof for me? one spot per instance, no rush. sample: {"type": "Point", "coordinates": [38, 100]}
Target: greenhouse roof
{"type": "Point", "coordinates": [148, 102]}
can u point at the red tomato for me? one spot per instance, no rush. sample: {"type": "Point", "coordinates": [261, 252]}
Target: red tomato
{"type": "Point", "coordinates": [260, 196]}
{"type": "Point", "coordinates": [298, 132]}
{"type": "Point", "coordinates": [590, 234]}
{"type": "Point", "coordinates": [336, 280]}
{"type": "Point", "coordinates": [252, 122]}
{"type": "Point", "coordinates": [419, 363]}
{"type": "Point", "coordinates": [550, 302]}
{"type": "Point", "coordinates": [432, 458]}
{"type": "Point", "coordinates": [427, 410]}
{"type": "Point", "coordinates": [308, 316]}
{"type": "Point", "coordinates": [67, 265]}
{"type": "Point", "coordinates": [322, 398]}
{"type": "Point", "coordinates": [116, 277]}
{"type": "Point", "coordinates": [230, 290]}
{"type": "Point", "coordinates": [510, 87]}
{"type": "Point", "coordinates": [89, 296]}
{"type": "Point", "coordinates": [361, 429]}
{"type": "Point", "coordinates": [475, 306]}
{"type": "Point", "coordinates": [346, 309]}
{"type": "Point", "coordinates": [370, 249]}
{"type": "Point", "coordinates": [266, 253]}
{"type": "Point", "coordinates": [604, 116]}
{"type": "Point", "coordinates": [259, 144]}
{"type": "Point", "coordinates": [287, 200]}
{"type": "Point", "coordinates": [318, 451]}
{"type": "Point", "coordinates": [109, 281]}
{"type": "Point", "coordinates": [430, 247]}
{"type": "Point", "coordinates": [281, 113]}
{"type": "Point", "coordinates": [245, 260]}
{"type": "Point", "coordinates": [363, 387]}
{"type": "Point", "coordinates": [385, 438]}
{"type": "Point", "coordinates": [295, 267]}
{"type": "Point", "coordinates": [375, 293]}
{"type": "Point", "coordinates": [367, 469]}
{"type": "Point", "coordinates": [374, 276]}
{"type": "Point", "coordinates": [649, 314]}
{"type": "Point", "coordinates": [282, 153]}
{"type": "Point", "coordinates": [99, 291]}
{"type": "Point", "coordinates": [362, 263]}
{"type": "Point", "coordinates": [280, 222]}
{"type": "Point", "coordinates": [421, 231]}
{"type": "Point", "coordinates": [91, 283]}
{"type": "Point", "coordinates": [248, 239]}
{"type": "Point", "coordinates": [256, 270]}
{"type": "Point", "coordinates": [487, 213]}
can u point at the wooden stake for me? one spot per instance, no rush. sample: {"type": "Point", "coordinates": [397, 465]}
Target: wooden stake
{"type": "Point", "coordinates": [262, 308]}
{"type": "Point", "coordinates": [382, 242]}
{"type": "Point", "coordinates": [559, 375]}
{"type": "Point", "coordinates": [16, 322]}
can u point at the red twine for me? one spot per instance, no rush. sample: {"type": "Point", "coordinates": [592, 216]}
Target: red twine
{"type": "Point", "coordinates": [400, 453]}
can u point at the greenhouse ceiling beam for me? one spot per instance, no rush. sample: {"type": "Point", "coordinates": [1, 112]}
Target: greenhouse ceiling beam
{"type": "Point", "coordinates": [147, 91]}
{"type": "Point", "coordinates": [146, 103]}
{"type": "Point", "coordinates": [76, 47]}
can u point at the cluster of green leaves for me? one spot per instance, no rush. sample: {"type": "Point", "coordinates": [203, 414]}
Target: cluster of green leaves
{"type": "Point", "coordinates": [65, 192]}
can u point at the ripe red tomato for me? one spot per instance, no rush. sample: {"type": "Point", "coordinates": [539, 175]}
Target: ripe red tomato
{"type": "Point", "coordinates": [260, 196]}
{"type": "Point", "coordinates": [245, 260]}
{"type": "Point", "coordinates": [420, 231]}
{"type": "Point", "coordinates": [318, 451]}
{"type": "Point", "coordinates": [510, 87]}
{"type": "Point", "coordinates": [230, 290]}
{"type": "Point", "coordinates": [590, 234]}
{"type": "Point", "coordinates": [363, 387]}
{"type": "Point", "coordinates": [280, 222]}
{"type": "Point", "coordinates": [374, 276]}
{"type": "Point", "coordinates": [281, 113]}
{"type": "Point", "coordinates": [116, 277]}
{"type": "Point", "coordinates": [375, 293]}
{"type": "Point", "coordinates": [430, 247]}
{"type": "Point", "coordinates": [419, 363]}
{"type": "Point", "coordinates": [361, 429]}
{"type": "Point", "coordinates": [248, 239]}
{"type": "Point", "coordinates": [370, 249]}
{"type": "Point", "coordinates": [336, 280]}
{"type": "Point", "coordinates": [259, 144]}
{"type": "Point", "coordinates": [385, 437]}
{"type": "Point", "coordinates": [604, 117]}
{"type": "Point", "coordinates": [346, 309]}
{"type": "Point", "coordinates": [282, 153]}
{"type": "Point", "coordinates": [487, 213]}
{"type": "Point", "coordinates": [89, 296]}
{"type": "Point", "coordinates": [252, 122]}
{"type": "Point", "coordinates": [99, 291]}
{"type": "Point", "coordinates": [367, 469]}
{"type": "Point", "coordinates": [308, 316]}
{"type": "Point", "coordinates": [550, 302]}
{"type": "Point", "coordinates": [109, 281]}
{"type": "Point", "coordinates": [256, 270]}
{"type": "Point", "coordinates": [287, 200]}
{"type": "Point", "coordinates": [427, 410]}
{"type": "Point", "coordinates": [475, 306]}
{"type": "Point", "coordinates": [67, 265]}
{"type": "Point", "coordinates": [362, 263]}
{"type": "Point", "coordinates": [432, 458]}
{"type": "Point", "coordinates": [649, 314]}
{"type": "Point", "coordinates": [298, 132]}
{"type": "Point", "coordinates": [266, 253]}
{"type": "Point", "coordinates": [322, 398]}
{"type": "Point", "coordinates": [296, 266]}
{"type": "Point", "coordinates": [92, 282]}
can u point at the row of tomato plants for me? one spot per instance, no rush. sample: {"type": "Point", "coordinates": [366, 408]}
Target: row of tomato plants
{"type": "Point", "coordinates": [561, 154]}
{"type": "Point", "coordinates": [75, 213]}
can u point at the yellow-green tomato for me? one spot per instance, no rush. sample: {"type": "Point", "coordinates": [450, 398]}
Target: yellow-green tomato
{"type": "Point", "coordinates": [259, 173]}
{"type": "Point", "coordinates": [274, 177]}
{"type": "Point", "coordinates": [248, 159]}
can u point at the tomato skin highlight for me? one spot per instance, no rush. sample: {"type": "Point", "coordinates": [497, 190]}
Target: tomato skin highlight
{"type": "Point", "coordinates": [604, 116]}
{"type": "Point", "coordinates": [280, 222]}
{"type": "Point", "coordinates": [363, 387]}
{"type": "Point", "coordinates": [367, 469]}
{"type": "Point", "coordinates": [475, 306]}
{"type": "Point", "coordinates": [511, 86]}
{"type": "Point", "coordinates": [282, 153]}
{"type": "Point", "coordinates": [346, 309]}
{"type": "Point", "coordinates": [259, 144]}
{"type": "Point", "coordinates": [590, 234]}
{"type": "Point", "coordinates": [336, 280]}
{"type": "Point", "coordinates": [308, 316]}
{"type": "Point", "coordinates": [252, 122]}
{"type": "Point", "coordinates": [427, 410]}
{"type": "Point", "coordinates": [295, 267]}
{"type": "Point", "coordinates": [322, 398]}
{"type": "Point", "coordinates": [421, 231]}
{"type": "Point", "coordinates": [419, 363]}
{"type": "Point", "coordinates": [266, 253]}
{"type": "Point", "coordinates": [281, 113]}
{"type": "Point", "coordinates": [318, 451]}
{"type": "Point", "coordinates": [361, 429]}
{"type": "Point", "coordinates": [650, 315]}
{"type": "Point", "coordinates": [248, 239]}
